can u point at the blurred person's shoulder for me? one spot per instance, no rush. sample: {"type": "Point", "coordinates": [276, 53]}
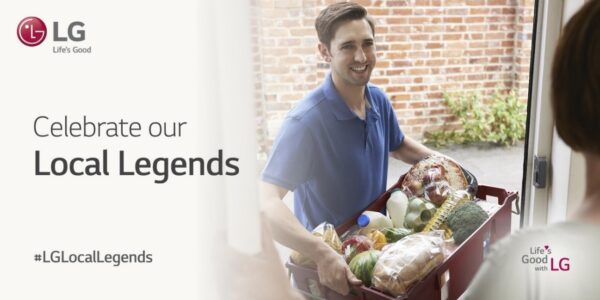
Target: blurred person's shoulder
{"type": "Point", "coordinates": [541, 262]}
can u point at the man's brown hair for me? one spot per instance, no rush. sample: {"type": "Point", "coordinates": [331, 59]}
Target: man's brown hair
{"type": "Point", "coordinates": [331, 17]}
{"type": "Point", "coordinates": [576, 80]}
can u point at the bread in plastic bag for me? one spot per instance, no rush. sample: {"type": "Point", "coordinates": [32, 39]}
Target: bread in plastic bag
{"type": "Point", "coordinates": [325, 232]}
{"type": "Point", "coordinates": [407, 261]}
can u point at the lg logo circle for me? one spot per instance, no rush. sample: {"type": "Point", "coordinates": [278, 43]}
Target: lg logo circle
{"type": "Point", "coordinates": [31, 31]}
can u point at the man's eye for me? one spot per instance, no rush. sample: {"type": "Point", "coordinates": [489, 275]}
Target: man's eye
{"type": "Point", "coordinates": [347, 47]}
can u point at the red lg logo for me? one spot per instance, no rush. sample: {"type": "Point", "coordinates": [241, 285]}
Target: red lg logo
{"type": "Point", "coordinates": [31, 31]}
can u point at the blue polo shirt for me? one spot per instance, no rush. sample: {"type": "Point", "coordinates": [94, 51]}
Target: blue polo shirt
{"type": "Point", "coordinates": [335, 163]}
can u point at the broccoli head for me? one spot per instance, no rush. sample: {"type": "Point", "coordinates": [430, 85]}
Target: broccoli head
{"type": "Point", "coordinates": [464, 220]}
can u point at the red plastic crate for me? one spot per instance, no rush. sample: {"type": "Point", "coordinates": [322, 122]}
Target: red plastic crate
{"type": "Point", "coordinates": [461, 265]}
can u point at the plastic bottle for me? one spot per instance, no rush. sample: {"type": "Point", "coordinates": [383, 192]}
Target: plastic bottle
{"type": "Point", "coordinates": [373, 220]}
{"type": "Point", "coordinates": [396, 207]}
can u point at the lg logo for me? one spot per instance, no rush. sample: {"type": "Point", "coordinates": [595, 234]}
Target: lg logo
{"type": "Point", "coordinates": [32, 31]}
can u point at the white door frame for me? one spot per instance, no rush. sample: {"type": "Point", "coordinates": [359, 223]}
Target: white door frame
{"type": "Point", "coordinates": [565, 177]}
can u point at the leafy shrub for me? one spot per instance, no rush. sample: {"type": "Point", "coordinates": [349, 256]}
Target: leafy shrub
{"type": "Point", "coordinates": [499, 119]}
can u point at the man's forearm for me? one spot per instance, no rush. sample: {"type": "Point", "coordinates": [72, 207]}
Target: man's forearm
{"type": "Point", "coordinates": [411, 151]}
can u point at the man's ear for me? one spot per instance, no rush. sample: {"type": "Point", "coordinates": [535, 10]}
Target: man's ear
{"type": "Point", "coordinates": [324, 51]}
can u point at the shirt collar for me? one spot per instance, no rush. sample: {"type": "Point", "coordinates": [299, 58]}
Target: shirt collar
{"type": "Point", "coordinates": [340, 108]}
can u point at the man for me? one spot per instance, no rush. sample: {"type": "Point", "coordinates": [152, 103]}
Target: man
{"type": "Point", "coordinates": [333, 147]}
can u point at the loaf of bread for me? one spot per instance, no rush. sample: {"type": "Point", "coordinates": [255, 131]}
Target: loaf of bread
{"type": "Point", "coordinates": [407, 261]}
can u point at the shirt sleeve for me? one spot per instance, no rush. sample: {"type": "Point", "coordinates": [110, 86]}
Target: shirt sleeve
{"type": "Point", "coordinates": [396, 136]}
{"type": "Point", "coordinates": [291, 158]}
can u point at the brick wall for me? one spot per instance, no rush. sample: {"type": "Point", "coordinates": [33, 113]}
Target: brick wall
{"type": "Point", "coordinates": [424, 47]}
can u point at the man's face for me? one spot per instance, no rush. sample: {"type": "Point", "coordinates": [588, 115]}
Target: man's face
{"type": "Point", "coordinates": [352, 52]}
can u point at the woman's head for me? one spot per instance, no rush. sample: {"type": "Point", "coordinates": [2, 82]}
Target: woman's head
{"type": "Point", "coordinates": [576, 81]}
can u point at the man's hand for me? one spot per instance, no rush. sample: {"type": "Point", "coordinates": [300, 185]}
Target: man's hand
{"type": "Point", "coordinates": [334, 273]}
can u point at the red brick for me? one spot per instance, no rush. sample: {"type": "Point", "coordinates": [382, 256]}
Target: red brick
{"type": "Point", "coordinates": [435, 62]}
{"type": "Point", "coordinates": [418, 54]}
{"type": "Point", "coordinates": [381, 64]}
{"type": "Point", "coordinates": [364, 2]}
{"type": "Point", "coordinates": [302, 32]}
{"type": "Point", "coordinates": [434, 45]}
{"type": "Point", "coordinates": [474, 19]}
{"type": "Point", "coordinates": [456, 45]}
{"type": "Point", "coordinates": [401, 97]}
{"type": "Point", "coordinates": [494, 52]}
{"type": "Point", "coordinates": [457, 28]}
{"type": "Point", "coordinates": [418, 20]}
{"type": "Point", "coordinates": [402, 63]}
{"type": "Point", "coordinates": [288, 42]}
{"type": "Point", "coordinates": [393, 3]}
{"type": "Point", "coordinates": [397, 105]}
{"type": "Point", "coordinates": [396, 55]}
{"type": "Point", "coordinates": [304, 51]}
{"type": "Point", "coordinates": [395, 38]}
{"type": "Point", "coordinates": [433, 28]}
{"type": "Point", "coordinates": [454, 2]}
{"type": "Point", "coordinates": [416, 121]}
{"type": "Point", "coordinates": [395, 89]}
{"type": "Point", "coordinates": [479, 11]}
{"type": "Point", "coordinates": [422, 2]}
{"type": "Point", "coordinates": [457, 61]}
{"type": "Point", "coordinates": [418, 71]}
{"type": "Point", "coordinates": [457, 11]}
{"type": "Point", "coordinates": [452, 37]}
{"type": "Point", "coordinates": [419, 37]}
{"type": "Point", "coordinates": [497, 2]}
{"type": "Point", "coordinates": [397, 20]}
{"type": "Point", "coordinates": [402, 11]}
{"type": "Point", "coordinates": [476, 76]}
{"type": "Point", "coordinates": [453, 19]}
{"type": "Point", "coordinates": [473, 27]}
{"type": "Point", "coordinates": [275, 51]}
{"type": "Point", "coordinates": [401, 46]}
{"type": "Point", "coordinates": [492, 68]}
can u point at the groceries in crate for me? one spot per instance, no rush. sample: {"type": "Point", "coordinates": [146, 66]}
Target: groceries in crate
{"type": "Point", "coordinates": [354, 245]}
{"type": "Point", "coordinates": [396, 207]}
{"type": "Point", "coordinates": [393, 235]}
{"type": "Point", "coordinates": [407, 261]}
{"type": "Point", "coordinates": [431, 178]}
{"type": "Point", "coordinates": [378, 238]}
{"type": "Point", "coordinates": [402, 265]}
{"type": "Point", "coordinates": [439, 218]}
{"type": "Point", "coordinates": [465, 219]}
{"type": "Point", "coordinates": [418, 213]}
{"type": "Point", "coordinates": [362, 265]}
{"type": "Point", "coordinates": [325, 232]}
{"type": "Point", "coordinates": [373, 220]}
{"type": "Point", "coordinates": [437, 192]}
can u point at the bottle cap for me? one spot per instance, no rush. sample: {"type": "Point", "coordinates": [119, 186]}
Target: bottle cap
{"type": "Point", "coordinates": [363, 221]}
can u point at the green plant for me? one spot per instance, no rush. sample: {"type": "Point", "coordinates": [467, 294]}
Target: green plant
{"type": "Point", "coordinates": [499, 119]}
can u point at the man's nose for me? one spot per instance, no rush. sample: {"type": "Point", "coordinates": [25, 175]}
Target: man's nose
{"type": "Point", "coordinates": [360, 56]}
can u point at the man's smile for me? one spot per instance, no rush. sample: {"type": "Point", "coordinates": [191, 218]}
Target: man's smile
{"type": "Point", "coordinates": [359, 69]}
